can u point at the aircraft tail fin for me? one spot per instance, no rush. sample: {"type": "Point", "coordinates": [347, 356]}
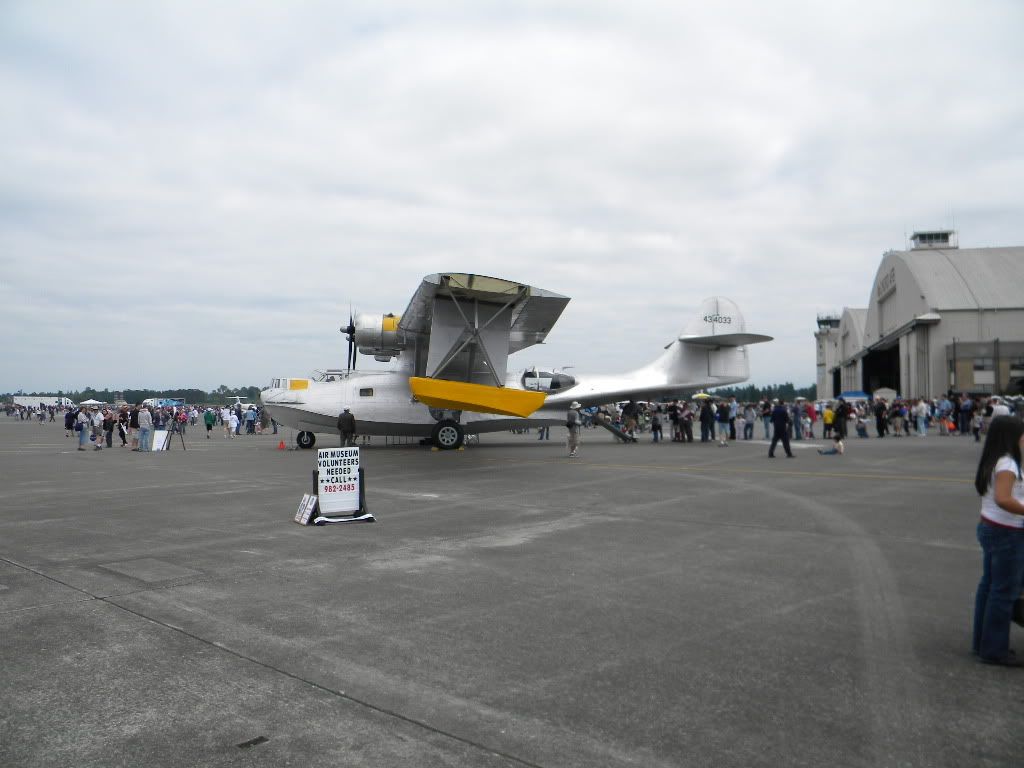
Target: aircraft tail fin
{"type": "Point", "coordinates": [710, 351]}
{"type": "Point", "coordinates": [719, 323]}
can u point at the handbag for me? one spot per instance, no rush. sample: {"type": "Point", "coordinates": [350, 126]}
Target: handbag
{"type": "Point", "coordinates": [78, 426]}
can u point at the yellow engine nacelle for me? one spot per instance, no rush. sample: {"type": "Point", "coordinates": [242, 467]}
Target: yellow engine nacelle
{"type": "Point", "coordinates": [378, 335]}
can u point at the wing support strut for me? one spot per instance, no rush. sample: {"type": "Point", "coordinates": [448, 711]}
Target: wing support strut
{"type": "Point", "coordinates": [471, 333]}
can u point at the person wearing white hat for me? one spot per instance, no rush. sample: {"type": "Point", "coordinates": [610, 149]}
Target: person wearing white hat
{"type": "Point", "coordinates": [999, 408]}
{"type": "Point", "coordinates": [572, 423]}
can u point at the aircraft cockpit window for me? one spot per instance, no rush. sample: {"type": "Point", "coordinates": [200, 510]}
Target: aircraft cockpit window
{"type": "Point", "coordinates": [366, 392]}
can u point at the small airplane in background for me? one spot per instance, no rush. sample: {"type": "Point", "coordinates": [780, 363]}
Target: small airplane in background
{"type": "Point", "coordinates": [236, 401]}
{"type": "Point", "coordinates": [164, 402]}
{"type": "Point", "coordinates": [452, 344]}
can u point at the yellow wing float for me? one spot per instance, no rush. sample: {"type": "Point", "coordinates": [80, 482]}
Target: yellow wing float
{"type": "Point", "coordinates": [463, 396]}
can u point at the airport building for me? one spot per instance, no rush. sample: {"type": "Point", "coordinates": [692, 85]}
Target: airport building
{"type": "Point", "coordinates": [939, 318]}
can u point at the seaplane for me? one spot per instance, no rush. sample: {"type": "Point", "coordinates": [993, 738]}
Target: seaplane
{"type": "Point", "coordinates": [450, 374]}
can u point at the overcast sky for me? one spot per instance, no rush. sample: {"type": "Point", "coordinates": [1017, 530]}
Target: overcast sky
{"type": "Point", "coordinates": [191, 194]}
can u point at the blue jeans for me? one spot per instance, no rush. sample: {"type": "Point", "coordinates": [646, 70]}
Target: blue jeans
{"type": "Point", "coordinates": [144, 433]}
{"type": "Point", "coordinates": [83, 437]}
{"type": "Point", "coordinates": [922, 425]}
{"type": "Point", "coordinates": [767, 421]}
{"type": "Point", "coordinates": [1001, 573]}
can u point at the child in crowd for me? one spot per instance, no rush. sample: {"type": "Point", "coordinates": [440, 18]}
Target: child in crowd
{"type": "Point", "coordinates": [837, 446]}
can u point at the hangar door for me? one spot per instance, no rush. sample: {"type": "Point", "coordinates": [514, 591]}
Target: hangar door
{"type": "Point", "coordinates": [882, 369]}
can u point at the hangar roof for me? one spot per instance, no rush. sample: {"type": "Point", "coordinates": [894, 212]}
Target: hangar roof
{"type": "Point", "coordinates": [857, 317]}
{"type": "Point", "coordinates": [851, 331]}
{"type": "Point", "coordinates": [969, 278]}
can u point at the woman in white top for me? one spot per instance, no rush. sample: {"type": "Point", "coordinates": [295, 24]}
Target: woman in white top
{"type": "Point", "coordinates": [1001, 535]}
{"type": "Point", "coordinates": [97, 428]}
{"type": "Point", "coordinates": [83, 424]}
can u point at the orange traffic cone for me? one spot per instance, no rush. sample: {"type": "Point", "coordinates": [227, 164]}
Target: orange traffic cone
{"type": "Point", "coordinates": [280, 446]}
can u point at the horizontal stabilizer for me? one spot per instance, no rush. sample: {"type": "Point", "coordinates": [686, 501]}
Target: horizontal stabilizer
{"type": "Point", "coordinates": [725, 339]}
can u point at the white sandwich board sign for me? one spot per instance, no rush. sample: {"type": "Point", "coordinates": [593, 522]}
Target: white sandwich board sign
{"type": "Point", "coordinates": [338, 480]}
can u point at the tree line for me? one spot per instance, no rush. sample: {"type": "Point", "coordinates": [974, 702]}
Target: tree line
{"type": "Point", "coordinates": [219, 396]}
{"type": "Point", "coordinates": [754, 394]}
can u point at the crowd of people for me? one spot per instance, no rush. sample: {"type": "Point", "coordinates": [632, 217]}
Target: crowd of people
{"type": "Point", "coordinates": [713, 419]}
{"type": "Point", "coordinates": [96, 426]}
{"type": "Point", "coordinates": [723, 420]}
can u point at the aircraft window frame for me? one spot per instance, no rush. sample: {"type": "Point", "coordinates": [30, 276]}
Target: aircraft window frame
{"type": "Point", "coordinates": [366, 392]}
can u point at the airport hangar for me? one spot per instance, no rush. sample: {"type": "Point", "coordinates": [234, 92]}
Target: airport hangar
{"type": "Point", "coordinates": [939, 318]}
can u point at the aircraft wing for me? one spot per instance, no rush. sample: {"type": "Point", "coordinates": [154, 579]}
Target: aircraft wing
{"type": "Point", "coordinates": [468, 325]}
{"type": "Point", "coordinates": [535, 310]}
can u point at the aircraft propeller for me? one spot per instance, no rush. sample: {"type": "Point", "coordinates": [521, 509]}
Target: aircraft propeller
{"type": "Point", "coordinates": [350, 334]}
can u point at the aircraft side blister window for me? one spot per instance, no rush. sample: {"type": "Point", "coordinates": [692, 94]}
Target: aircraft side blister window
{"type": "Point", "coordinates": [366, 392]}
{"type": "Point", "coordinates": [562, 381]}
{"type": "Point", "coordinates": [544, 381]}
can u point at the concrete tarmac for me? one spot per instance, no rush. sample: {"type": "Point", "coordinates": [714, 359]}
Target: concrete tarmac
{"type": "Point", "coordinates": [641, 605]}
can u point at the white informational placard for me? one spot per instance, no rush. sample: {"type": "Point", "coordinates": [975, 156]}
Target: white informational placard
{"type": "Point", "coordinates": [159, 440]}
{"type": "Point", "coordinates": [338, 479]}
{"type": "Point", "coordinates": [306, 507]}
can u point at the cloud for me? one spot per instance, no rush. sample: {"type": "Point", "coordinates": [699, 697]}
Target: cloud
{"type": "Point", "coordinates": [206, 189]}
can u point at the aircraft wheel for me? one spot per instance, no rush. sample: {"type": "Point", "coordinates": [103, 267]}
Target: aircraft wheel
{"type": "Point", "coordinates": [448, 435]}
{"type": "Point", "coordinates": [305, 440]}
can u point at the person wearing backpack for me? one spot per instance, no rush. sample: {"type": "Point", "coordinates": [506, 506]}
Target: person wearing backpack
{"type": "Point", "coordinates": [96, 420]}
{"type": "Point", "coordinates": [82, 427]}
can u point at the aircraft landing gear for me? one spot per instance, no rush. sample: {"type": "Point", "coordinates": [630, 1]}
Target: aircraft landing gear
{"type": "Point", "coordinates": [448, 435]}
{"type": "Point", "coordinates": [305, 440]}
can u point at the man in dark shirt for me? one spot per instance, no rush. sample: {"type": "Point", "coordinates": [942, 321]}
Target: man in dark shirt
{"type": "Point", "coordinates": [842, 420]}
{"type": "Point", "coordinates": [780, 425]}
{"type": "Point", "coordinates": [133, 426]}
{"type": "Point", "coordinates": [347, 428]}
{"type": "Point", "coordinates": [880, 412]}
